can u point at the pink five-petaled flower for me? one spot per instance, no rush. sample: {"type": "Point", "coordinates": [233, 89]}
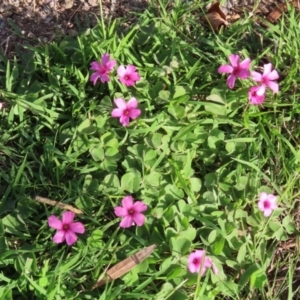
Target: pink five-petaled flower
{"type": "Point", "coordinates": [236, 69]}
{"type": "Point", "coordinates": [266, 79]}
{"type": "Point", "coordinates": [253, 97]}
{"type": "Point", "coordinates": [196, 263]}
{"type": "Point", "coordinates": [125, 111]}
{"type": "Point", "coordinates": [102, 69]}
{"type": "Point", "coordinates": [131, 212]}
{"type": "Point", "coordinates": [66, 228]}
{"type": "Point", "coordinates": [128, 75]}
{"type": "Point", "coordinates": [267, 203]}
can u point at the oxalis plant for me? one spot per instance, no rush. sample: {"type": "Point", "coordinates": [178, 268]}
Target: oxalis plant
{"type": "Point", "coordinates": [146, 138]}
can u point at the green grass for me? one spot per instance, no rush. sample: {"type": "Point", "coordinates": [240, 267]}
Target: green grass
{"type": "Point", "coordinates": [198, 156]}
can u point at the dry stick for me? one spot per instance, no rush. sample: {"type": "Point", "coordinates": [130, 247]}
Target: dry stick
{"type": "Point", "coordinates": [125, 266]}
{"type": "Point", "coordinates": [59, 204]}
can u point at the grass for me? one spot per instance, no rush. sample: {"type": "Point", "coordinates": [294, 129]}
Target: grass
{"type": "Point", "coordinates": [198, 156]}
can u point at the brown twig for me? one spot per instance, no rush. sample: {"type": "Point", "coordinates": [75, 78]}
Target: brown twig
{"type": "Point", "coordinates": [59, 204]}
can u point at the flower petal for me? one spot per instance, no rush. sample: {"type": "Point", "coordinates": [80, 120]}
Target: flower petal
{"type": "Point", "coordinates": [121, 71]}
{"type": "Point", "coordinates": [127, 202]}
{"type": "Point", "coordinates": [191, 257]}
{"type": "Point", "coordinates": [193, 268]}
{"type": "Point", "coordinates": [132, 103]}
{"type": "Point", "coordinates": [124, 120]}
{"type": "Point", "coordinates": [68, 217]}
{"type": "Point", "coordinates": [261, 205]}
{"type": "Point", "coordinates": [273, 86]}
{"type": "Point", "coordinates": [120, 211]}
{"type": "Point", "coordinates": [128, 82]}
{"type": "Point", "coordinates": [135, 76]}
{"type": "Point", "coordinates": [256, 76]}
{"type": "Point", "coordinates": [126, 222]}
{"type": "Point", "coordinates": [242, 73]}
{"type": "Point", "coordinates": [54, 222]}
{"type": "Point", "coordinates": [267, 212]}
{"type": "Point", "coordinates": [263, 196]}
{"type": "Point", "coordinates": [261, 90]}
{"type": "Point", "coordinates": [95, 66]}
{"type": "Point", "coordinates": [139, 206]}
{"type": "Point", "coordinates": [105, 58]}
{"type": "Point", "coordinates": [104, 78]}
{"type": "Point", "coordinates": [71, 237]}
{"type": "Point", "coordinates": [234, 59]}
{"type": "Point", "coordinates": [116, 113]}
{"type": "Point", "coordinates": [245, 64]}
{"type": "Point", "coordinates": [134, 113]}
{"type": "Point", "coordinates": [94, 77]}
{"type": "Point", "coordinates": [267, 69]}
{"type": "Point", "coordinates": [231, 81]}
{"type": "Point", "coordinates": [77, 227]}
{"type": "Point", "coordinates": [111, 64]}
{"type": "Point", "coordinates": [59, 237]}
{"type": "Point", "coordinates": [225, 69]}
{"type": "Point", "coordinates": [138, 218]}
{"type": "Point", "coordinates": [131, 69]}
{"type": "Point", "coordinates": [120, 103]}
{"type": "Point", "coordinates": [273, 75]}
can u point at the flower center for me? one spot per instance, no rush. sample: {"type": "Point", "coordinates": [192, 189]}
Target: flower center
{"type": "Point", "coordinates": [130, 211]}
{"type": "Point", "coordinates": [195, 261]}
{"type": "Point", "coordinates": [126, 77]}
{"type": "Point", "coordinates": [65, 227]}
{"type": "Point", "coordinates": [126, 112]}
{"type": "Point", "coordinates": [267, 205]}
{"type": "Point", "coordinates": [235, 71]}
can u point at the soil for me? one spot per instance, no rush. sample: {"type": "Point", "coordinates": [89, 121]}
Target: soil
{"type": "Point", "coordinates": [34, 22]}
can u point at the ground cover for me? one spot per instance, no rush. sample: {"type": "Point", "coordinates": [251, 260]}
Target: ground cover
{"type": "Point", "coordinates": [196, 153]}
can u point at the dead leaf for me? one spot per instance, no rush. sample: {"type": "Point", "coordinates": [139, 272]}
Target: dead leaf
{"type": "Point", "coordinates": [125, 266]}
{"type": "Point", "coordinates": [215, 17]}
{"type": "Point", "coordinates": [69, 4]}
{"type": "Point", "coordinates": [59, 204]}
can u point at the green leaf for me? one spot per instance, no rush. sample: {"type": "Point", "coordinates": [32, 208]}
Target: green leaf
{"type": "Point", "coordinates": [218, 246]}
{"type": "Point", "coordinates": [180, 245]}
{"type": "Point", "coordinates": [258, 279]}
{"type": "Point", "coordinates": [130, 182]}
{"type": "Point", "coordinates": [86, 127]}
{"type": "Point", "coordinates": [242, 253]}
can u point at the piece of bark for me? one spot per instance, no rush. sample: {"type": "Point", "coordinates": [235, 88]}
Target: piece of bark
{"type": "Point", "coordinates": [59, 204]}
{"type": "Point", "coordinates": [125, 266]}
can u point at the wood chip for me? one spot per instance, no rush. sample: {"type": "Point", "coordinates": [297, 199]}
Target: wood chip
{"type": "Point", "coordinates": [125, 266]}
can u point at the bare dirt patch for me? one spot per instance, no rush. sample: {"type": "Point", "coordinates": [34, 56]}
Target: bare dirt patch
{"type": "Point", "coordinates": [33, 22]}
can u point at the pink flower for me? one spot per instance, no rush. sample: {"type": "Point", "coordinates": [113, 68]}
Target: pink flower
{"type": "Point", "coordinates": [128, 75]}
{"type": "Point", "coordinates": [125, 111]}
{"type": "Point", "coordinates": [267, 203]}
{"type": "Point", "coordinates": [66, 228]}
{"type": "Point", "coordinates": [266, 79]}
{"type": "Point", "coordinates": [236, 69]}
{"type": "Point", "coordinates": [253, 97]}
{"type": "Point", "coordinates": [199, 261]}
{"type": "Point", "coordinates": [2, 104]}
{"type": "Point", "coordinates": [102, 69]}
{"type": "Point", "coordinates": [131, 212]}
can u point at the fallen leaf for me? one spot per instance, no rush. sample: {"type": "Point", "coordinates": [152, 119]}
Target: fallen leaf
{"type": "Point", "coordinates": [59, 204]}
{"type": "Point", "coordinates": [125, 266]}
{"type": "Point", "coordinates": [215, 17]}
